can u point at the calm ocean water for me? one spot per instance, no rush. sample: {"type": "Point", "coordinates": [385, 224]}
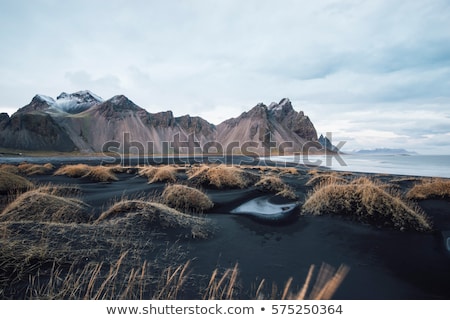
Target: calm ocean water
{"type": "Point", "coordinates": [415, 165]}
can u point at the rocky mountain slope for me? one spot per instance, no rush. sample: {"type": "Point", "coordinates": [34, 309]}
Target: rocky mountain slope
{"type": "Point", "coordinates": [84, 122]}
{"type": "Point", "coordinates": [277, 126]}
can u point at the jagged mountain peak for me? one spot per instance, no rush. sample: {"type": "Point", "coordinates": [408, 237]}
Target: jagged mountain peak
{"type": "Point", "coordinates": [84, 95]}
{"type": "Point", "coordinates": [121, 103]}
{"type": "Point", "coordinates": [117, 107]}
{"type": "Point", "coordinates": [65, 103]}
{"type": "Point", "coordinates": [284, 106]}
{"type": "Point", "coordinates": [77, 102]}
{"type": "Point", "coordinates": [43, 98]}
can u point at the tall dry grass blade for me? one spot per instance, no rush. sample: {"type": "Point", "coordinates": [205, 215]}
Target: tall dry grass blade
{"type": "Point", "coordinates": [232, 281]}
{"type": "Point", "coordinates": [259, 294]}
{"type": "Point", "coordinates": [113, 272]}
{"type": "Point", "coordinates": [141, 281]}
{"type": "Point", "coordinates": [325, 274]}
{"type": "Point", "coordinates": [210, 289]}
{"type": "Point", "coordinates": [174, 281]}
{"type": "Point", "coordinates": [302, 293]}
{"type": "Point", "coordinates": [332, 284]}
{"type": "Point", "coordinates": [286, 288]}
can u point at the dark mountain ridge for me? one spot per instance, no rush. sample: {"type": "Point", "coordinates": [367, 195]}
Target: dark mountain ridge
{"type": "Point", "coordinates": [84, 122]}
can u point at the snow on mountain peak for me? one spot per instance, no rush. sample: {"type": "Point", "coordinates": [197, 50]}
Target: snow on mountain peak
{"type": "Point", "coordinates": [77, 102]}
{"type": "Point", "coordinates": [49, 100]}
{"type": "Point", "coordinates": [279, 106]}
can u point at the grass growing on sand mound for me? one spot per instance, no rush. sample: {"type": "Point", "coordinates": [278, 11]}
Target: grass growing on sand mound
{"type": "Point", "coordinates": [73, 170]}
{"type": "Point", "coordinates": [366, 201]}
{"type": "Point", "coordinates": [159, 174]}
{"type": "Point", "coordinates": [30, 169]}
{"type": "Point", "coordinates": [9, 168]}
{"type": "Point", "coordinates": [10, 182]}
{"type": "Point", "coordinates": [186, 199]}
{"type": "Point", "coordinates": [144, 214]}
{"type": "Point", "coordinates": [325, 178]}
{"type": "Point", "coordinates": [221, 176]}
{"type": "Point", "coordinates": [94, 173]}
{"type": "Point", "coordinates": [101, 174]}
{"type": "Point", "coordinates": [428, 189]}
{"type": "Point", "coordinates": [40, 206]}
{"type": "Point", "coordinates": [272, 183]}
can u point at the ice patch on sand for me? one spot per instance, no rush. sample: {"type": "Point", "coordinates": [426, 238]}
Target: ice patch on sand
{"type": "Point", "coordinates": [261, 207]}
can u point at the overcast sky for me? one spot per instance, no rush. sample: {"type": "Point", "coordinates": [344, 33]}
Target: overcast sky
{"type": "Point", "coordinates": [374, 73]}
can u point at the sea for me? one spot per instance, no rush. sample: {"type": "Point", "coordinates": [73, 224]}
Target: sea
{"type": "Point", "coordinates": [399, 164]}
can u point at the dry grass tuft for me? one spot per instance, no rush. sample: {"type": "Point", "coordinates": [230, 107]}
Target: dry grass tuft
{"type": "Point", "coordinates": [43, 207]}
{"type": "Point", "coordinates": [221, 176]}
{"type": "Point", "coordinates": [325, 179]}
{"type": "Point", "coordinates": [94, 173]}
{"type": "Point", "coordinates": [73, 170]}
{"type": "Point", "coordinates": [9, 168]}
{"type": "Point", "coordinates": [365, 201]}
{"type": "Point", "coordinates": [289, 170]}
{"type": "Point", "coordinates": [272, 183]}
{"type": "Point", "coordinates": [154, 174]}
{"type": "Point", "coordinates": [68, 191]}
{"type": "Point", "coordinates": [101, 174]}
{"type": "Point", "coordinates": [222, 287]}
{"type": "Point", "coordinates": [428, 189]}
{"type": "Point", "coordinates": [186, 199]}
{"type": "Point", "coordinates": [144, 214]}
{"type": "Point", "coordinates": [327, 282]}
{"type": "Point", "coordinates": [10, 183]}
{"type": "Point", "coordinates": [32, 169]}
{"type": "Point", "coordinates": [172, 282]}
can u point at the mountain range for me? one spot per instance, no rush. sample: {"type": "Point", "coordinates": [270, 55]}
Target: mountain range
{"type": "Point", "coordinates": [84, 122]}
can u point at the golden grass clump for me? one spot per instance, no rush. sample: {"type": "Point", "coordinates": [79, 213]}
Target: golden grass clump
{"type": "Point", "coordinates": [101, 174]}
{"type": "Point", "coordinates": [66, 190]}
{"type": "Point", "coordinates": [144, 214]}
{"type": "Point", "coordinates": [94, 173]}
{"type": "Point", "coordinates": [43, 207]}
{"type": "Point", "coordinates": [9, 168]}
{"type": "Point", "coordinates": [289, 170]}
{"type": "Point", "coordinates": [10, 182]}
{"type": "Point", "coordinates": [325, 178]}
{"type": "Point", "coordinates": [30, 169]}
{"type": "Point", "coordinates": [428, 189]}
{"type": "Point", "coordinates": [186, 199]}
{"type": "Point", "coordinates": [73, 170]}
{"type": "Point", "coordinates": [271, 183]}
{"type": "Point", "coordinates": [221, 176]}
{"type": "Point", "coordinates": [155, 174]}
{"type": "Point", "coordinates": [368, 202]}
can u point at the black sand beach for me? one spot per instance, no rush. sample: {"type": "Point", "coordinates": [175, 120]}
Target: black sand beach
{"type": "Point", "coordinates": [384, 263]}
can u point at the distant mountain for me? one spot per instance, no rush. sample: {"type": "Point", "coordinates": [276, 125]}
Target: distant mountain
{"type": "Point", "coordinates": [385, 151]}
{"type": "Point", "coordinates": [327, 144]}
{"type": "Point", "coordinates": [82, 121]}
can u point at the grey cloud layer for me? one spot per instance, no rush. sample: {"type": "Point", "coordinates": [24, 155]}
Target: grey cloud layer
{"type": "Point", "coordinates": [332, 58]}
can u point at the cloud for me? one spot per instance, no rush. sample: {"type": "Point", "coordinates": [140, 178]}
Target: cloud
{"type": "Point", "coordinates": [82, 80]}
{"type": "Point", "coordinates": [351, 65]}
